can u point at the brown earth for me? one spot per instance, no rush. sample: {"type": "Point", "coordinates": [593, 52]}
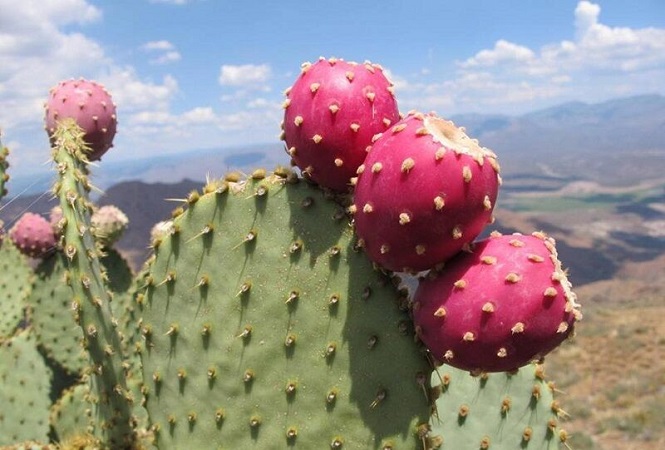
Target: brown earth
{"type": "Point", "coordinates": [611, 375]}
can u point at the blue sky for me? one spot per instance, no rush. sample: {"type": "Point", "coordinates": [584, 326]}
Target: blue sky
{"type": "Point", "coordinates": [192, 74]}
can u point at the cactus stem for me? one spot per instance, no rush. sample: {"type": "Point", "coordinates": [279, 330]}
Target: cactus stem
{"type": "Point", "coordinates": [113, 412]}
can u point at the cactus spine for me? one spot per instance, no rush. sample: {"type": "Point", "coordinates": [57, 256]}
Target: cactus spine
{"type": "Point", "coordinates": [91, 299]}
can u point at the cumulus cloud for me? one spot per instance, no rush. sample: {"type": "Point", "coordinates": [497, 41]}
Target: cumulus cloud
{"type": "Point", "coordinates": [597, 63]}
{"type": "Point", "coordinates": [157, 45]}
{"type": "Point", "coordinates": [246, 75]}
{"type": "Point", "coordinates": [503, 52]}
{"type": "Point", "coordinates": [165, 51]}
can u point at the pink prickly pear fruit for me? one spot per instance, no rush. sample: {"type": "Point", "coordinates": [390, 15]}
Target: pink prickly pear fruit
{"type": "Point", "coordinates": [331, 113]}
{"type": "Point", "coordinates": [496, 308]}
{"type": "Point", "coordinates": [91, 106]}
{"type": "Point", "coordinates": [33, 235]}
{"type": "Point", "coordinates": [425, 191]}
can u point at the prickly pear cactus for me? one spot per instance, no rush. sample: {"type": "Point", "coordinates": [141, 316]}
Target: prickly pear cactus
{"type": "Point", "coordinates": [50, 302]}
{"type": "Point", "coordinates": [112, 401]}
{"type": "Point", "coordinates": [70, 414]}
{"type": "Point", "coordinates": [51, 307]}
{"type": "Point", "coordinates": [495, 411]}
{"type": "Point", "coordinates": [15, 275]}
{"type": "Point", "coordinates": [265, 328]}
{"type": "Point", "coordinates": [24, 391]}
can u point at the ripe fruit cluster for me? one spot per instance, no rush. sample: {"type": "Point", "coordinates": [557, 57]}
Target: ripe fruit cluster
{"type": "Point", "coordinates": [422, 192]}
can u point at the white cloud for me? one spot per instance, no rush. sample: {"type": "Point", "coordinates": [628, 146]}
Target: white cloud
{"type": "Point", "coordinates": [166, 58]}
{"type": "Point", "coordinates": [158, 45]}
{"type": "Point", "coordinates": [133, 94]}
{"type": "Point", "coordinates": [246, 75]}
{"type": "Point", "coordinates": [259, 102]}
{"type": "Point", "coordinates": [199, 116]}
{"type": "Point", "coordinates": [503, 52]}
{"type": "Point", "coordinates": [586, 17]}
{"type": "Point", "coordinates": [166, 51]}
{"type": "Point", "coordinates": [597, 63]}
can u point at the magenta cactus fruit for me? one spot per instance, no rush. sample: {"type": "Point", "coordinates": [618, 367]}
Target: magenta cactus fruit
{"type": "Point", "coordinates": [109, 224]}
{"type": "Point", "coordinates": [425, 191]}
{"type": "Point", "coordinates": [91, 106]}
{"type": "Point", "coordinates": [33, 235]}
{"type": "Point", "coordinates": [498, 307]}
{"type": "Point", "coordinates": [331, 114]}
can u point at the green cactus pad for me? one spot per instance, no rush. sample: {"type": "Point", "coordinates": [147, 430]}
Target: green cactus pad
{"type": "Point", "coordinates": [70, 415]}
{"type": "Point", "coordinates": [265, 328]}
{"type": "Point", "coordinates": [495, 411]}
{"type": "Point", "coordinates": [50, 302]}
{"type": "Point", "coordinates": [70, 419]}
{"type": "Point", "coordinates": [51, 307]}
{"type": "Point", "coordinates": [91, 299]}
{"type": "Point", "coordinates": [25, 382]}
{"type": "Point", "coordinates": [15, 277]}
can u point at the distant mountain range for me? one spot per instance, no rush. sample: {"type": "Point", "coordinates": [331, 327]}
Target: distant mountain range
{"type": "Point", "coordinates": [617, 142]}
{"type": "Point", "coordinates": [620, 141]}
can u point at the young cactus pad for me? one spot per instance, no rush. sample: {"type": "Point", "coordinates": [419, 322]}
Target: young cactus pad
{"type": "Point", "coordinates": [495, 411]}
{"type": "Point", "coordinates": [265, 328]}
{"type": "Point", "coordinates": [50, 303]}
{"type": "Point", "coordinates": [25, 382]}
{"type": "Point", "coordinates": [15, 277]}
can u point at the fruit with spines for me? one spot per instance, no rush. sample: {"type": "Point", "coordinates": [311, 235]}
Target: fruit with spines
{"type": "Point", "coordinates": [505, 302]}
{"type": "Point", "coordinates": [91, 106]}
{"type": "Point", "coordinates": [33, 235]}
{"type": "Point", "coordinates": [109, 224]}
{"type": "Point", "coordinates": [258, 322]}
{"type": "Point", "coordinates": [425, 191]}
{"type": "Point", "coordinates": [331, 114]}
